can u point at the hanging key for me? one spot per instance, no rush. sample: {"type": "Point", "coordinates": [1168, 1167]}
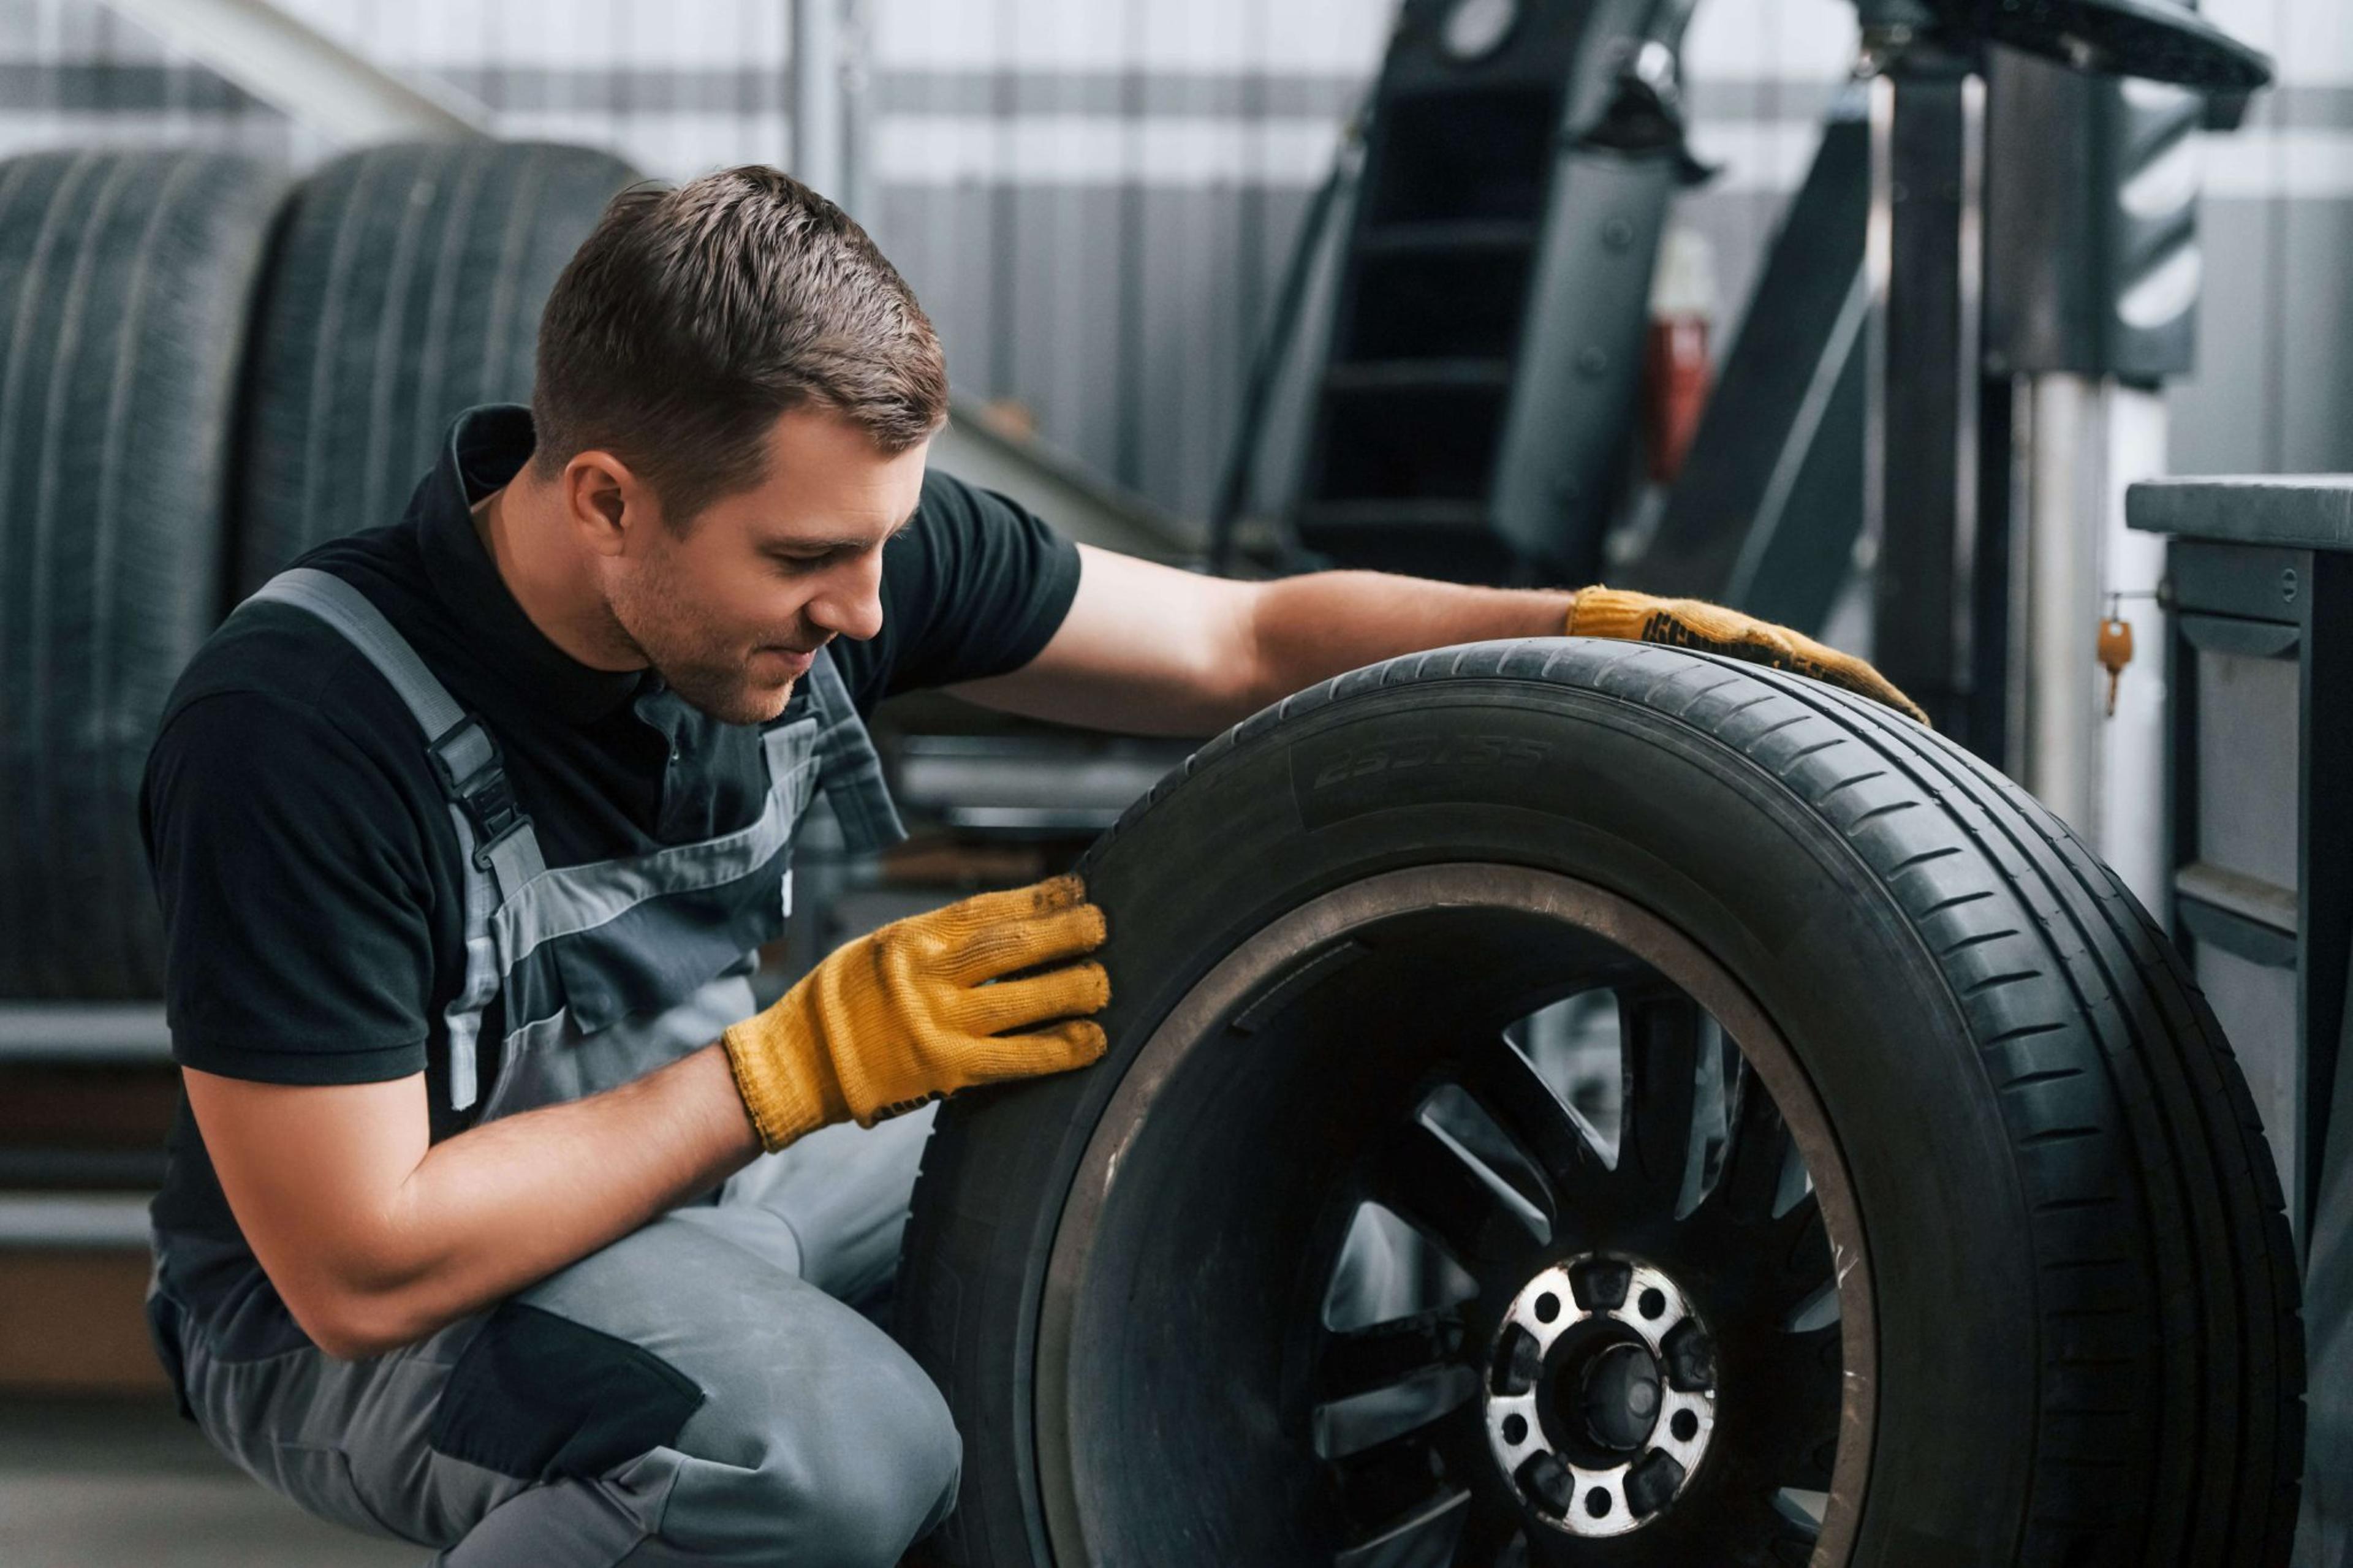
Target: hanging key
{"type": "Point", "coordinates": [2116, 651]}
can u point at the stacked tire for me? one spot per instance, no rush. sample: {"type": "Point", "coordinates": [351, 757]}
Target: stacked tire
{"type": "Point", "coordinates": [205, 368]}
{"type": "Point", "coordinates": [127, 285]}
{"type": "Point", "coordinates": [404, 286]}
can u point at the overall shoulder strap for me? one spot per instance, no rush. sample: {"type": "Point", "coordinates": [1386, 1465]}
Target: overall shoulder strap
{"type": "Point", "coordinates": [464, 755]}
{"type": "Point", "coordinates": [500, 850]}
{"type": "Point", "coordinates": [849, 771]}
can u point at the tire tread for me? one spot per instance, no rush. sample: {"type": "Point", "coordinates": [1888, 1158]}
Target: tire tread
{"type": "Point", "coordinates": [126, 285]}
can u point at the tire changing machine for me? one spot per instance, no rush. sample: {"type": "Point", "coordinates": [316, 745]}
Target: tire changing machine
{"type": "Point", "coordinates": [1447, 384]}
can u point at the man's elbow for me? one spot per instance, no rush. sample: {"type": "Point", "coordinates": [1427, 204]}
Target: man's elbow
{"type": "Point", "coordinates": [1253, 668]}
{"type": "Point", "coordinates": [358, 1327]}
{"type": "Point", "coordinates": [352, 1321]}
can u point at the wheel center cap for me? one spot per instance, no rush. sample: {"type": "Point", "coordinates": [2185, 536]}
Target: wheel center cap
{"type": "Point", "coordinates": [1600, 1394]}
{"type": "Point", "coordinates": [1616, 1396]}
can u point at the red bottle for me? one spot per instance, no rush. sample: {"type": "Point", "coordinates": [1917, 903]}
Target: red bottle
{"type": "Point", "coordinates": [1677, 373]}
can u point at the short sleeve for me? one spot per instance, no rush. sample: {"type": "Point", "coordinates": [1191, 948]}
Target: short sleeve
{"type": "Point", "coordinates": [975, 585]}
{"type": "Point", "coordinates": [295, 893]}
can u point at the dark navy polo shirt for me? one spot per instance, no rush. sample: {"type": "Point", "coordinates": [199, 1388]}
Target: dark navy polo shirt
{"type": "Point", "coordinates": [300, 848]}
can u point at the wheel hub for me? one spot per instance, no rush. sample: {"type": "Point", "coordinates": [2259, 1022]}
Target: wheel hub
{"type": "Point", "coordinates": [1616, 1396]}
{"type": "Point", "coordinates": [1601, 1394]}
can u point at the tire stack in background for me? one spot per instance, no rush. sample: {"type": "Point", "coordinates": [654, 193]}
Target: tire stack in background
{"type": "Point", "coordinates": [405, 285]}
{"type": "Point", "coordinates": [207, 367]}
{"type": "Point", "coordinates": [127, 280]}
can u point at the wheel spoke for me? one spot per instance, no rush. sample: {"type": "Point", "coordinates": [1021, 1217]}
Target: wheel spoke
{"type": "Point", "coordinates": [1800, 1248]}
{"type": "Point", "coordinates": [1546, 1128]}
{"type": "Point", "coordinates": [1803, 1512]}
{"type": "Point", "coordinates": [1749, 1524]}
{"type": "Point", "coordinates": [1785, 1408]}
{"type": "Point", "coordinates": [1776, 1260]}
{"type": "Point", "coordinates": [1663, 1031]}
{"type": "Point", "coordinates": [1754, 1157]}
{"type": "Point", "coordinates": [1430, 1179]}
{"type": "Point", "coordinates": [1361, 1359]}
{"type": "Point", "coordinates": [1372, 1481]}
{"type": "Point", "coordinates": [1351, 1426]}
{"type": "Point", "coordinates": [1424, 1536]}
{"type": "Point", "coordinates": [1490, 1536]}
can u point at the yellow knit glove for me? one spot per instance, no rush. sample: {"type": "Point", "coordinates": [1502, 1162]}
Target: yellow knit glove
{"type": "Point", "coordinates": [1598, 612]}
{"type": "Point", "coordinates": [921, 1008]}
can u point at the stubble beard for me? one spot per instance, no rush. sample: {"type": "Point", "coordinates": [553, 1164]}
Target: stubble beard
{"type": "Point", "coordinates": [708, 675]}
{"type": "Point", "coordinates": [724, 691]}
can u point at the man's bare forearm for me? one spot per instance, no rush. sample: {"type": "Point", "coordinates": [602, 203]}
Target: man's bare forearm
{"type": "Point", "coordinates": [511, 1201]}
{"type": "Point", "coordinates": [1313, 627]}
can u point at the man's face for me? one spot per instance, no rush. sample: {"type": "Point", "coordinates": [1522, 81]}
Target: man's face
{"type": "Point", "coordinates": [731, 614]}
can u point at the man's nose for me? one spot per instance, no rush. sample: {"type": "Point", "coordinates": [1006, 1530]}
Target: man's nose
{"type": "Point", "coordinates": [850, 604]}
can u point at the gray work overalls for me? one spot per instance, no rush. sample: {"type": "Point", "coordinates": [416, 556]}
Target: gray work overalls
{"type": "Point", "coordinates": [697, 1392]}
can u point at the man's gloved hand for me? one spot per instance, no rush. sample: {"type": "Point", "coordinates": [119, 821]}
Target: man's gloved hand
{"type": "Point", "coordinates": [907, 1014]}
{"type": "Point", "coordinates": [1598, 612]}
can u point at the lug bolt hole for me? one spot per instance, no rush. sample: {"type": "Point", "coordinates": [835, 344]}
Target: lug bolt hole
{"type": "Point", "coordinates": [1685, 1427]}
{"type": "Point", "coordinates": [1597, 1503]}
{"type": "Point", "coordinates": [1515, 1429]}
{"type": "Point", "coordinates": [1652, 1303]}
{"type": "Point", "coordinates": [1548, 1307]}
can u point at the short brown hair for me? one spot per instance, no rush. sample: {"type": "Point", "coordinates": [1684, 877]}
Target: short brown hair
{"type": "Point", "coordinates": [690, 317]}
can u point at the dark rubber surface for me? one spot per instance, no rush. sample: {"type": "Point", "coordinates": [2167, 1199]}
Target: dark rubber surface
{"type": "Point", "coordinates": [2086, 1291]}
{"type": "Point", "coordinates": [405, 287]}
{"type": "Point", "coordinates": [126, 283]}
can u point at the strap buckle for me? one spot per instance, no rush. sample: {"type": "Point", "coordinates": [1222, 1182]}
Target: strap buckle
{"type": "Point", "coordinates": [474, 779]}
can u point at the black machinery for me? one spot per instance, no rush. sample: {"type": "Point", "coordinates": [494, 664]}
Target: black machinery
{"type": "Point", "coordinates": [2260, 573]}
{"type": "Point", "coordinates": [1448, 387]}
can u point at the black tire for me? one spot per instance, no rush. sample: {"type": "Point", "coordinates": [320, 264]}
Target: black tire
{"type": "Point", "coordinates": [2081, 1331]}
{"type": "Point", "coordinates": [405, 287]}
{"type": "Point", "coordinates": [126, 283]}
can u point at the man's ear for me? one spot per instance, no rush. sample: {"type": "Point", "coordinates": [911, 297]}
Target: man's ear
{"type": "Point", "coordinates": [605, 500]}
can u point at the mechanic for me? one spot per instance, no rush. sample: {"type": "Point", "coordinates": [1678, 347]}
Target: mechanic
{"type": "Point", "coordinates": [497, 1217]}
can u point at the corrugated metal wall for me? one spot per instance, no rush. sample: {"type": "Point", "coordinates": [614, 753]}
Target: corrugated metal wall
{"type": "Point", "coordinates": [1093, 196]}
{"type": "Point", "coordinates": [2274, 383]}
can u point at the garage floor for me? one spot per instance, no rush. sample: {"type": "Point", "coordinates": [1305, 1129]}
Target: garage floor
{"type": "Point", "coordinates": [130, 1485]}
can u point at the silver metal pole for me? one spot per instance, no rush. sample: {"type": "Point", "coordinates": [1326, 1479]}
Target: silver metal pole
{"type": "Point", "coordinates": [292, 67]}
{"type": "Point", "coordinates": [858, 179]}
{"type": "Point", "coordinates": [817, 95]}
{"type": "Point", "coordinates": [1878, 274]}
{"type": "Point", "coordinates": [2068, 483]}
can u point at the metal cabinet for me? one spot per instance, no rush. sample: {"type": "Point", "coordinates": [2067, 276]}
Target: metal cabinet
{"type": "Point", "coordinates": [2260, 678]}
{"type": "Point", "coordinates": [2260, 675]}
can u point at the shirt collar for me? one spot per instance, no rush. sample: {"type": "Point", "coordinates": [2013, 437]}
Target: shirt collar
{"type": "Point", "coordinates": [487, 447]}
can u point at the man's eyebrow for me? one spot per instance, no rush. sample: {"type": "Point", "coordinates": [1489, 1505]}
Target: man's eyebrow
{"type": "Point", "coordinates": [805, 548]}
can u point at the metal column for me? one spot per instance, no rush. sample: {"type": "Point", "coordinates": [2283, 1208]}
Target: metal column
{"type": "Point", "coordinates": [294, 66]}
{"type": "Point", "coordinates": [817, 95]}
{"type": "Point", "coordinates": [1929, 447]}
